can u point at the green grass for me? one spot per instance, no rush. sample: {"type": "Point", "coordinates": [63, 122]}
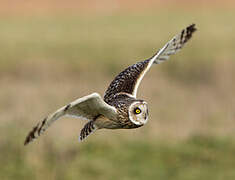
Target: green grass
{"type": "Point", "coordinates": [198, 157]}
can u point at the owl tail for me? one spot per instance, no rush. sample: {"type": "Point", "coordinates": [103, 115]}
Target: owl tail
{"type": "Point", "coordinates": [88, 129]}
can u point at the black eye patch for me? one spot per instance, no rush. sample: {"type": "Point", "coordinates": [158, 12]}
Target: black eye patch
{"type": "Point", "coordinates": [137, 110]}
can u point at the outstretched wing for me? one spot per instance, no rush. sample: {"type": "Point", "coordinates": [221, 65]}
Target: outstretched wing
{"type": "Point", "coordinates": [88, 107]}
{"type": "Point", "coordinates": [128, 80]}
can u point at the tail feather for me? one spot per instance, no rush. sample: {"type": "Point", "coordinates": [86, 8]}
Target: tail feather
{"type": "Point", "coordinates": [87, 130]}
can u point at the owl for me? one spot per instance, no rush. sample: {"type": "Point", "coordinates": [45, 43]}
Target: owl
{"type": "Point", "coordinates": [120, 108]}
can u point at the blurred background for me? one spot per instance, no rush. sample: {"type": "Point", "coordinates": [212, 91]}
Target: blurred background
{"type": "Point", "coordinates": [52, 52]}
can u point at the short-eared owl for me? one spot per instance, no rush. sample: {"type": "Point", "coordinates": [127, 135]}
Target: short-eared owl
{"type": "Point", "coordinates": [119, 109]}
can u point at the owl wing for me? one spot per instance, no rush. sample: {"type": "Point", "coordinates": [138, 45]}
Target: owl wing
{"type": "Point", "coordinates": [128, 80]}
{"type": "Point", "coordinates": [87, 107]}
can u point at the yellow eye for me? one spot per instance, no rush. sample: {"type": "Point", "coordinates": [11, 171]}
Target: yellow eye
{"type": "Point", "coordinates": [137, 111]}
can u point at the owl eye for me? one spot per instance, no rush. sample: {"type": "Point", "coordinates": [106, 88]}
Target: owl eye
{"type": "Point", "coordinates": [137, 110]}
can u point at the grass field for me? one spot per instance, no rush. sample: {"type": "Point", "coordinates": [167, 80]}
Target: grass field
{"type": "Point", "coordinates": [48, 61]}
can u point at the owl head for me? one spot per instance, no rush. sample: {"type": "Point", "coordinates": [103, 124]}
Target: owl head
{"type": "Point", "coordinates": [138, 112]}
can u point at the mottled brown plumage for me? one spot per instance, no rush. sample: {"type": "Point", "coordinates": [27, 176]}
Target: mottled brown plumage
{"type": "Point", "coordinates": [125, 81]}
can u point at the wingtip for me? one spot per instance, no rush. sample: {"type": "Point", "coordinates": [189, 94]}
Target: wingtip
{"type": "Point", "coordinates": [28, 139]}
{"type": "Point", "coordinates": [187, 33]}
{"type": "Point", "coordinates": [192, 28]}
{"type": "Point", "coordinates": [31, 136]}
{"type": "Point", "coordinates": [26, 143]}
{"type": "Point", "coordinates": [80, 139]}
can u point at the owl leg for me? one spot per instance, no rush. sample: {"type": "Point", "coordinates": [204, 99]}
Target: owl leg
{"type": "Point", "coordinates": [88, 129]}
